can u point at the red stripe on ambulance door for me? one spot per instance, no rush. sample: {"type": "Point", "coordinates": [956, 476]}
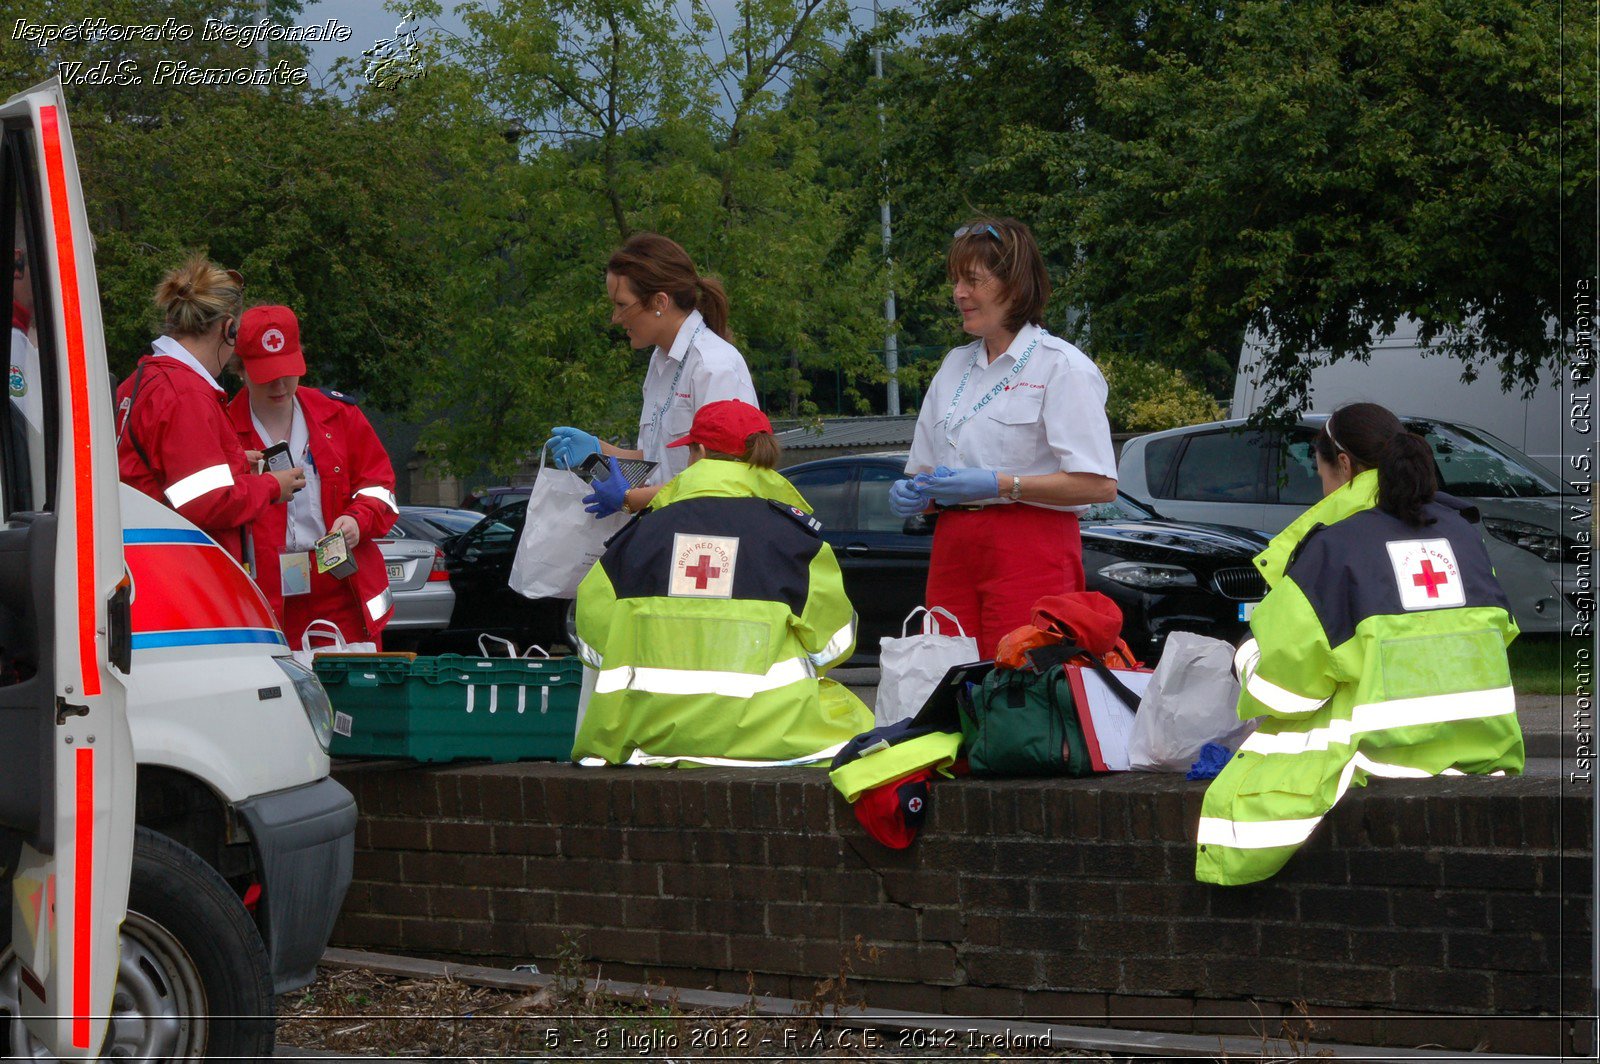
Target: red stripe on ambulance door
{"type": "Point", "coordinates": [83, 903]}
{"type": "Point", "coordinates": [82, 438]}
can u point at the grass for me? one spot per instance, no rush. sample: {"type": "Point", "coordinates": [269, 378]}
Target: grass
{"type": "Point", "coordinates": [1545, 664]}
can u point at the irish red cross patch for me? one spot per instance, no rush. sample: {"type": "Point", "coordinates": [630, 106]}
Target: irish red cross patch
{"type": "Point", "coordinates": [702, 566]}
{"type": "Point", "coordinates": [1426, 573]}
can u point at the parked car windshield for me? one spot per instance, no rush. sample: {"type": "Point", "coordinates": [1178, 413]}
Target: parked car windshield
{"type": "Point", "coordinates": [1473, 464]}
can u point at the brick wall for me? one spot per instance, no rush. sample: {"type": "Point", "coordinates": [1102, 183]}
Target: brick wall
{"type": "Point", "coordinates": [1453, 912]}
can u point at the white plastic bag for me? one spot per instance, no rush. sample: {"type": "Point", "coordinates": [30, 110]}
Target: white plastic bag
{"type": "Point", "coordinates": [333, 643]}
{"type": "Point", "coordinates": [1192, 700]}
{"type": "Point", "coordinates": [561, 540]}
{"type": "Point", "coordinates": [912, 665]}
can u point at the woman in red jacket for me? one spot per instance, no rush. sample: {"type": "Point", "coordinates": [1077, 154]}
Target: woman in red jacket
{"type": "Point", "coordinates": [174, 441]}
{"type": "Point", "coordinates": [349, 482]}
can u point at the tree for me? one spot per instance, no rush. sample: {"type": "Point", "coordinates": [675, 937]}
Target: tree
{"type": "Point", "coordinates": [1309, 171]}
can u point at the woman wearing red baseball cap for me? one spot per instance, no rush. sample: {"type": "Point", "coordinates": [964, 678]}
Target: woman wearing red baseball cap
{"type": "Point", "coordinates": [349, 480]}
{"type": "Point", "coordinates": [712, 616]}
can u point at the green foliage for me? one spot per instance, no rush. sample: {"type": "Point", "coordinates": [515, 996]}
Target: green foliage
{"type": "Point", "coordinates": [1147, 397]}
{"type": "Point", "coordinates": [1310, 170]}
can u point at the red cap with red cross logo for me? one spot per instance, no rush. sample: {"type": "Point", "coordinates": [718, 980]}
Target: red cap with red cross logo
{"type": "Point", "coordinates": [269, 344]}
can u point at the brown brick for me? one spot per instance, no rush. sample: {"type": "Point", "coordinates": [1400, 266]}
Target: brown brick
{"type": "Point", "coordinates": [624, 945]}
{"type": "Point", "coordinates": [989, 892]}
{"type": "Point", "coordinates": [1077, 1010]}
{"type": "Point", "coordinates": [1431, 988]}
{"type": "Point", "coordinates": [942, 925]}
{"type": "Point", "coordinates": [589, 910]}
{"type": "Point", "coordinates": [1146, 937]}
{"type": "Point", "coordinates": [1253, 1019]}
{"type": "Point", "coordinates": [366, 931]}
{"type": "Point", "coordinates": [1083, 970]}
{"type": "Point", "coordinates": [877, 923]}
{"type": "Point", "coordinates": [398, 900]}
{"type": "Point", "coordinates": [458, 903]}
{"type": "Point", "coordinates": [791, 807]}
{"type": "Point", "coordinates": [397, 834]}
{"type": "Point", "coordinates": [994, 1002]}
{"type": "Point", "coordinates": [490, 870]}
{"type": "Point", "coordinates": [1238, 977]}
{"type": "Point", "coordinates": [730, 848]}
{"type": "Point", "coordinates": [471, 790]}
{"type": "Point", "coordinates": [1173, 974]}
{"type": "Point", "coordinates": [1030, 811]}
{"type": "Point", "coordinates": [766, 953]}
{"type": "Point", "coordinates": [458, 837]}
{"type": "Point", "coordinates": [1151, 1013]}
{"type": "Point", "coordinates": [1526, 952]}
{"type": "Point", "coordinates": [1219, 938]}
{"type": "Point", "coordinates": [694, 950]}
{"type": "Point", "coordinates": [524, 907]}
{"type": "Point", "coordinates": [919, 886]}
{"type": "Point", "coordinates": [534, 808]}
{"type": "Point", "coordinates": [1333, 1024]}
{"type": "Point", "coordinates": [430, 935]}
{"type": "Point", "coordinates": [901, 997]}
{"type": "Point", "coordinates": [602, 843]}
{"type": "Point", "coordinates": [922, 964]}
{"type": "Point", "coordinates": [527, 839]}
{"type": "Point", "coordinates": [444, 868]}
{"type": "Point", "coordinates": [1342, 906]}
{"type": "Point", "coordinates": [447, 794]}
{"type": "Point", "coordinates": [1310, 943]}
{"type": "Point", "coordinates": [1490, 871]}
{"type": "Point", "coordinates": [502, 799]}
{"type": "Point", "coordinates": [1341, 983]}
{"type": "Point", "coordinates": [480, 938]}
{"type": "Point", "coordinates": [820, 922]}
{"type": "Point", "coordinates": [1447, 1032]}
{"type": "Point", "coordinates": [695, 881]}
{"type": "Point", "coordinates": [735, 916]}
{"type": "Point", "coordinates": [1527, 992]}
{"type": "Point", "coordinates": [1171, 900]}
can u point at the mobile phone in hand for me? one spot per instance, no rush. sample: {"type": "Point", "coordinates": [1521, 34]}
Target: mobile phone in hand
{"type": "Point", "coordinates": [276, 458]}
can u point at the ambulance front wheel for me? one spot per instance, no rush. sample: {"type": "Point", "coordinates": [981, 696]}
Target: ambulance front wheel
{"type": "Point", "coordinates": [193, 979]}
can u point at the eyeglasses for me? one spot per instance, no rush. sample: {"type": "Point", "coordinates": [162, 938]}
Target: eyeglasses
{"type": "Point", "coordinates": [978, 230]}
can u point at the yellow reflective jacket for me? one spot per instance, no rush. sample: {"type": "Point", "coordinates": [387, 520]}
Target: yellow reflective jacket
{"type": "Point", "coordinates": [1378, 651]}
{"type": "Point", "coordinates": [709, 620]}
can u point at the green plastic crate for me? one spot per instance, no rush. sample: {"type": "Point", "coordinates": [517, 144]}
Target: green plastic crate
{"type": "Point", "coordinates": [452, 707]}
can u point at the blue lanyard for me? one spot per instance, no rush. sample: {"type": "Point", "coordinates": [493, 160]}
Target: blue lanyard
{"type": "Point", "coordinates": [672, 389]}
{"type": "Point", "coordinates": [1000, 386]}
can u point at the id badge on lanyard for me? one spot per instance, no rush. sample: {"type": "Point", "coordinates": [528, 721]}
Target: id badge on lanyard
{"type": "Point", "coordinates": [294, 573]}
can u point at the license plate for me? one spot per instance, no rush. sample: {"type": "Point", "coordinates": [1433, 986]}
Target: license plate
{"type": "Point", "coordinates": [397, 572]}
{"type": "Point", "coordinates": [1246, 609]}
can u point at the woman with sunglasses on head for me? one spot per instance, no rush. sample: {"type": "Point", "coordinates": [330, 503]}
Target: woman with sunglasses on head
{"type": "Point", "coordinates": [174, 440]}
{"type": "Point", "coordinates": [1011, 442]}
{"type": "Point", "coordinates": [663, 303]}
{"type": "Point", "coordinates": [1380, 650]}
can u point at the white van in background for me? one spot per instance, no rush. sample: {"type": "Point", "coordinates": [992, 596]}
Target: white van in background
{"type": "Point", "coordinates": [1421, 382]}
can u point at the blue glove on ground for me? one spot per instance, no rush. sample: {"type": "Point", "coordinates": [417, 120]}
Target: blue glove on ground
{"type": "Point", "coordinates": [950, 487]}
{"type": "Point", "coordinates": [570, 446]}
{"type": "Point", "coordinates": [905, 500]}
{"type": "Point", "coordinates": [608, 494]}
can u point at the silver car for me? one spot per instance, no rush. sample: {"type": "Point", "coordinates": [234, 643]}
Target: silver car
{"type": "Point", "coordinates": [1228, 473]}
{"type": "Point", "coordinates": [423, 597]}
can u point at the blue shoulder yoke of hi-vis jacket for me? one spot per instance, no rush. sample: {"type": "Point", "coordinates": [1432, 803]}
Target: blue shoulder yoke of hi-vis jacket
{"type": "Point", "coordinates": [1378, 651]}
{"type": "Point", "coordinates": [709, 620]}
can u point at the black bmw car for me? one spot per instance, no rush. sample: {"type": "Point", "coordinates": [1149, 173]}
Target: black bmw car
{"type": "Point", "coordinates": [1165, 575]}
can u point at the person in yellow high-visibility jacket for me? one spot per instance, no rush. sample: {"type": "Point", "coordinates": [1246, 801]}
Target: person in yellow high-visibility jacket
{"type": "Point", "coordinates": [1380, 650]}
{"type": "Point", "coordinates": [712, 616]}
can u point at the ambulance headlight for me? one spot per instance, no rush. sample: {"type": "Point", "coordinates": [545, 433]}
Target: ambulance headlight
{"type": "Point", "coordinates": [319, 711]}
{"type": "Point", "coordinates": [1148, 576]}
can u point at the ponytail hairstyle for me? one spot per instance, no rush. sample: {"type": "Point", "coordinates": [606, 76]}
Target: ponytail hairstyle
{"type": "Point", "coordinates": [197, 295]}
{"type": "Point", "coordinates": [1374, 439]}
{"type": "Point", "coordinates": [761, 450]}
{"type": "Point", "coordinates": [653, 263]}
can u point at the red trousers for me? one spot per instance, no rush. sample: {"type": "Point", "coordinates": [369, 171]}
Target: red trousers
{"type": "Point", "coordinates": [992, 564]}
{"type": "Point", "coordinates": [331, 599]}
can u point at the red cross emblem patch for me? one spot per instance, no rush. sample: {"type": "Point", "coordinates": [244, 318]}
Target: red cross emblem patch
{"type": "Point", "coordinates": [272, 341]}
{"type": "Point", "coordinates": [1426, 573]}
{"type": "Point", "coordinates": [702, 566]}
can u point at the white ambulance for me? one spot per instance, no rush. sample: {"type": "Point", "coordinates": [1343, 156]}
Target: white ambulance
{"type": "Point", "coordinates": [172, 851]}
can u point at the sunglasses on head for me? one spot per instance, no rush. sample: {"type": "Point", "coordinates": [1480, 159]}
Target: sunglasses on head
{"type": "Point", "coordinates": [978, 230]}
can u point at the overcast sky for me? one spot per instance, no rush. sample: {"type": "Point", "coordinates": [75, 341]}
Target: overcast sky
{"type": "Point", "coordinates": [370, 23]}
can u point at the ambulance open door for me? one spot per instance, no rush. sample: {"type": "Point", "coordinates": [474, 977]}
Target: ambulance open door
{"type": "Point", "coordinates": [66, 763]}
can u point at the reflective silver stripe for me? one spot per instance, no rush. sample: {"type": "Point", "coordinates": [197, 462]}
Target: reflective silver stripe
{"type": "Point", "coordinates": [1280, 699]}
{"type": "Point", "coordinates": [841, 641]}
{"type": "Point", "coordinates": [639, 757]}
{"type": "Point", "coordinates": [383, 495]}
{"type": "Point", "coordinates": [380, 604]}
{"type": "Point", "coordinates": [1255, 835]}
{"type": "Point", "coordinates": [703, 681]}
{"type": "Point", "coordinates": [1382, 716]}
{"type": "Point", "coordinates": [195, 485]}
{"type": "Point", "coordinates": [589, 655]}
{"type": "Point", "coordinates": [1245, 659]}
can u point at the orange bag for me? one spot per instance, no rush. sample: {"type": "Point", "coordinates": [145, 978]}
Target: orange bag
{"type": "Point", "coordinates": [1085, 618]}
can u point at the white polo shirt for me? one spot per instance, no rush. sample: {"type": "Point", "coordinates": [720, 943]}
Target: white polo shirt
{"type": "Point", "coordinates": [700, 368]}
{"type": "Point", "coordinates": [1048, 416]}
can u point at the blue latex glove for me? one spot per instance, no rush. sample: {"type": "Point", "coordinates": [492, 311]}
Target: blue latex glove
{"type": "Point", "coordinates": [905, 500]}
{"type": "Point", "coordinates": [608, 494]}
{"type": "Point", "coordinates": [570, 446]}
{"type": "Point", "coordinates": [950, 487]}
{"type": "Point", "coordinates": [1213, 759]}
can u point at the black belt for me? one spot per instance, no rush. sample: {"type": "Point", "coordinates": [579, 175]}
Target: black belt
{"type": "Point", "coordinates": [963, 507]}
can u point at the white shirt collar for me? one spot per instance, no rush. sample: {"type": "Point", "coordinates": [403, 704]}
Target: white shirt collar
{"type": "Point", "coordinates": [298, 436]}
{"type": "Point", "coordinates": [680, 343]}
{"type": "Point", "coordinates": [170, 348]}
{"type": "Point", "coordinates": [1019, 343]}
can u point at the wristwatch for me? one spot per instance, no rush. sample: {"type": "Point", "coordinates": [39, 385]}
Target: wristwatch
{"type": "Point", "coordinates": [1016, 488]}
{"type": "Point", "coordinates": [627, 508]}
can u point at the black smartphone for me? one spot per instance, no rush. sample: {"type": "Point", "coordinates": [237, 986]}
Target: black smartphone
{"type": "Point", "coordinates": [276, 458]}
{"type": "Point", "coordinates": [636, 471]}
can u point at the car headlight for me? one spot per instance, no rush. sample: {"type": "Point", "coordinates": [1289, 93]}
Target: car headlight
{"type": "Point", "coordinates": [1149, 576]}
{"type": "Point", "coordinates": [1532, 538]}
{"type": "Point", "coordinates": [319, 710]}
